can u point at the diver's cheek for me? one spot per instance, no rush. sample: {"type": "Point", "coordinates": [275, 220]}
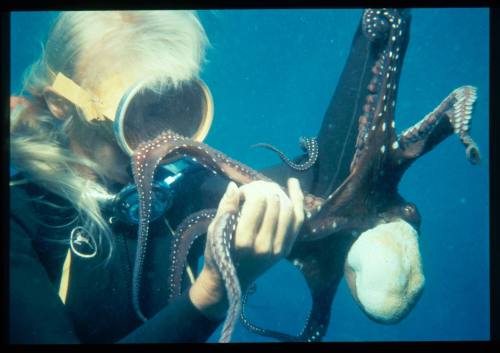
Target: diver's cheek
{"type": "Point", "coordinates": [384, 271]}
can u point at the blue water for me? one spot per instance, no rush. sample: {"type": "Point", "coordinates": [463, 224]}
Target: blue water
{"type": "Point", "coordinates": [272, 74]}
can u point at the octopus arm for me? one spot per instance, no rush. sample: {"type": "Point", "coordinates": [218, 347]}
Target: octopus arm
{"type": "Point", "coordinates": [220, 240]}
{"type": "Point", "coordinates": [322, 273]}
{"type": "Point", "coordinates": [186, 233]}
{"type": "Point", "coordinates": [309, 145]}
{"type": "Point", "coordinates": [453, 115]}
{"type": "Point", "coordinates": [261, 330]}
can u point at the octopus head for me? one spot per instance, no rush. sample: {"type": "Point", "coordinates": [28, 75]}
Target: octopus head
{"type": "Point", "coordinates": [384, 271]}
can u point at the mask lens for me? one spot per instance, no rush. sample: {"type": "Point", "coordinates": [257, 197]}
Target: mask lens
{"type": "Point", "coordinates": [143, 113]}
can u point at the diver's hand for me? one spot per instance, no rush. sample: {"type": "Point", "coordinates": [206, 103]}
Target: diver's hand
{"type": "Point", "coordinates": [268, 226]}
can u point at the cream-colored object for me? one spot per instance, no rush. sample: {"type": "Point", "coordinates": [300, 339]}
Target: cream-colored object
{"type": "Point", "coordinates": [384, 271]}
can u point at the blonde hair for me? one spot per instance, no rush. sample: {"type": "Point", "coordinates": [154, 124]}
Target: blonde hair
{"type": "Point", "coordinates": [165, 47]}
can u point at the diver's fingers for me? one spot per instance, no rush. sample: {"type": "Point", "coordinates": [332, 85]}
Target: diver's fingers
{"type": "Point", "coordinates": [297, 198]}
{"type": "Point", "coordinates": [251, 216]}
{"type": "Point", "coordinates": [284, 230]}
{"type": "Point", "coordinates": [264, 240]}
{"type": "Point", "coordinates": [297, 202]}
{"type": "Point", "coordinates": [230, 201]}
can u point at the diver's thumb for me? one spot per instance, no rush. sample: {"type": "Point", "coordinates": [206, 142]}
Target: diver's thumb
{"type": "Point", "coordinates": [230, 200]}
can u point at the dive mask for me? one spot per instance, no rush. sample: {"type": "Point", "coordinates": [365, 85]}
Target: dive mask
{"type": "Point", "coordinates": [142, 112]}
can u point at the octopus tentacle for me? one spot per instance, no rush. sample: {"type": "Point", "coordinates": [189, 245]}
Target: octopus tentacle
{"type": "Point", "coordinates": [315, 326]}
{"type": "Point", "coordinates": [319, 316]}
{"type": "Point", "coordinates": [171, 145]}
{"type": "Point", "coordinates": [144, 163]}
{"type": "Point", "coordinates": [388, 29]}
{"type": "Point", "coordinates": [220, 242]}
{"type": "Point", "coordinates": [308, 145]}
{"type": "Point", "coordinates": [453, 114]}
{"type": "Point", "coordinates": [322, 273]}
{"type": "Point", "coordinates": [375, 26]}
{"type": "Point", "coordinates": [177, 146]}
{"type": "Point", "coordinates": [376, 124]}
{"type": "Point", "coordinates": [185, 235]}
{"type": "Point", "coordinates": [145, 160]}
{"type": "Point", "coordinates": [262, 331]}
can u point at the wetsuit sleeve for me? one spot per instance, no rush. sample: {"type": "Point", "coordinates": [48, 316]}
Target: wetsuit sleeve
{"type": "Point", "coordinates": [180, 321]}
{"type": "Point", "coordinates": [37, 314]}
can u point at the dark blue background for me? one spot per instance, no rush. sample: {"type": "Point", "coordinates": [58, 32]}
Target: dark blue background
{"type": "Point", "coordinates": [272, 74]}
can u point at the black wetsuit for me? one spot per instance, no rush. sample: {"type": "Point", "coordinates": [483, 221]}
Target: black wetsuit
{"type": "Point", "coordinates": [98, 301]}
{"type": "Point", "coordinates": [98, 307]}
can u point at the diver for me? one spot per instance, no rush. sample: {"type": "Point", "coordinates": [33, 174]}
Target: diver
{"type": "Point", "coordinates": [106, 81]}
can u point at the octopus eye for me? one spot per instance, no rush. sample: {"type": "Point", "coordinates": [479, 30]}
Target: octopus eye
{"type": "Point", "coordinates": [409, 209]}
{"type": "Point", "coordinates": [411, 214]}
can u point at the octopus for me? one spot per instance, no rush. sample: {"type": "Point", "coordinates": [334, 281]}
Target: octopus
{"type": "Point", "coordinates": [359, 193]}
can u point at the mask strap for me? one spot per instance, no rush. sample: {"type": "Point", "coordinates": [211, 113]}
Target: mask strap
{"type": "Point", "coordinates": [87, 103]}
